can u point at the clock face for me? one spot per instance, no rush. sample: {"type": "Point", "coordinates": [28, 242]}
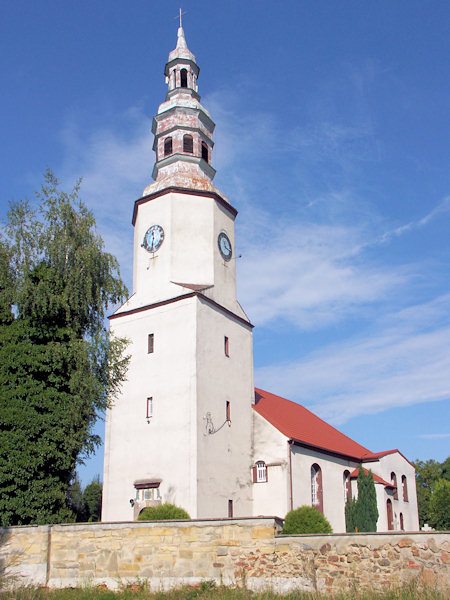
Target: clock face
{"type": "Point", "coordinates": [153, 238]}
{"type": "Point", "coordinates": [224, 244]}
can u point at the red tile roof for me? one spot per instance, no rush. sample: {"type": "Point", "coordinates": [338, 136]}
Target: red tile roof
{"type": "Point", "coordinates": [298, 423]}
{"type": "Point", "coordinates": [376, 478]}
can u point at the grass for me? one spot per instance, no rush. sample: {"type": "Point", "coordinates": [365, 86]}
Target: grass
{"type": "Point", "coordinates": [207, 590]}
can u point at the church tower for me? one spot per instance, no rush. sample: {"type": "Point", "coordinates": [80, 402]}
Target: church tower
{"type": "Point", "coordinates": [180, 431]}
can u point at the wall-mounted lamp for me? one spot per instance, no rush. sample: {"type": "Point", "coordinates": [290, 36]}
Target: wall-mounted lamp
{"type": "Point", "coordinates": [131, 502]}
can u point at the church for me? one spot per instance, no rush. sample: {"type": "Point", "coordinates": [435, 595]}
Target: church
{"type": "Point", "coordinates": [189, 427]}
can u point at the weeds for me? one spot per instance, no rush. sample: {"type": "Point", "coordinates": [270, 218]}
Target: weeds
{"type": "Point", "coordinates": [208, 590]}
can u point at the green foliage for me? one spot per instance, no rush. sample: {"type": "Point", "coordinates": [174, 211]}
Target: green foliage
{"type": "Point", "coordinates": [75, 500]}
{"type": "Point", "coordinates": [350, 515]}
{"type": "Point", "coordinates": [306, 519]}
{"type": "Point", "coordinates": [58, 367]}
{"type": "Point", "coordinates": [208, 590]}
{"type": "Point", "coordinates": [162, 512]}
{"type": "Point", "coordinates": [428, 473]}
{"type": "Point", "coordinates": [92, 498]}
{"type": "Point", "coordinates": [362, 514]}
{"type": "Point", "coordinates": [86, 505]}
{"type": "Point", "coordinates": [439, 506]}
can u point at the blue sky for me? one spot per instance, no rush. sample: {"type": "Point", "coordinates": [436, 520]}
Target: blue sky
{"type": "Point", "coordinates": [332, 141]}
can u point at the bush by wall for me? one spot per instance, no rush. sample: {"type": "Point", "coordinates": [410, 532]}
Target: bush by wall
{"type": "Point", "coordinates": [162, 512]}
{"type": "Point", "coordinates": [306, 519]}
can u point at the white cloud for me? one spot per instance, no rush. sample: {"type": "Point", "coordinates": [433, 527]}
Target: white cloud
{"type": "Point", "coordinates": [442, 208]}
{"type": "Point", "coordinates": [305, 263]}
{"type": "Point", "coordinates": [115, 168]}
{"type": "Point", "coordinates": [404, 361]}
{"type": "Point", "coordinates": [309, 274]}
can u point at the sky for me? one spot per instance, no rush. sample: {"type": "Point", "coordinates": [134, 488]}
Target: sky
{"type": "Point", "coordinates": [332, 141]}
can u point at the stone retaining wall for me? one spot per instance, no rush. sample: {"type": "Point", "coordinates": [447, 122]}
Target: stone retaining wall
{"type": "Point", "coordinates": [230, 551]}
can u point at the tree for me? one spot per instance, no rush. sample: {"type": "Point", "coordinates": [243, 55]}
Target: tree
{"type": "Point", "coordinates": [306, 519]}
{"type": "Point", "coordinates": [445, 466]}
{"type": "Point", "coordinates": [162, 512]}
{"type": "Point", "coordinates": [75, 500]}
{"type": "Point", "coordinates": [362, 514]}
{"type": "Point", "coordinates": [92, 497]}
{"type": "Point", "coordinates": [58, 367]}
{"type": "Point", "coordinates": [350, 515]}
{"type": "Point", "coordinates": [427, 474]}
{"type": "Point", "coordinates": [439, 507]}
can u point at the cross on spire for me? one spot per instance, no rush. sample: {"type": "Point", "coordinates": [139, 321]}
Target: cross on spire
{"type": "Point", "coordinates": [181, 13]}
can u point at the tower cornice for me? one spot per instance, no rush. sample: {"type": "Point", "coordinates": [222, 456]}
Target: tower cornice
{"type": "Point", "coordinates": [199, 111]}
{"type": "Point", "coordinates": [177, 157]}
{"type": "Point", "coordinates": [199, 295]}
{"type": "Point", "coordinates": [181, 61]}
{"type": "Point", "coordinates": [181, 190]}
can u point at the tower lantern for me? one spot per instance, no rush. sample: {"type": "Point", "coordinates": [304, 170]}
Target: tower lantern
{"type": "Point", "coordinates": [183, 127]}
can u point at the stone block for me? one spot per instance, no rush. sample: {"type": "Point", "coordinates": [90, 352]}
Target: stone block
{"type": "Point", "coordinates": [259, 533]}
{"type": "Point", "coordinates": [427, 576]}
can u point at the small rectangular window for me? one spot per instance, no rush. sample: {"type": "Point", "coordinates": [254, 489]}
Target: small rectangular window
{"type": "Point", "coordinates": [230, 508]}
{"type": "Point", "coordinates": [151, 343]}
{"type": "Point", "coordinates": [226, 346]}
{"type": "Point", "coordinates": [149, 409]}
{"type": "Point", "coordinates": [228, 411]}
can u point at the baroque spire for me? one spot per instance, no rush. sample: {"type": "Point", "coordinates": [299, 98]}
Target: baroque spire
{"type": "Point", "coordinates": [182, 127]}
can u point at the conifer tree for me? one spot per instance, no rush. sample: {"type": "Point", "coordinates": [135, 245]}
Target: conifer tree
{"type": "Point", "coordinates": [58, 367]}
{"type": "Point", "coordinates": [366, 513]}
{"type": "Point", "coordinates": [92, 497]}
{"type": "Point", "coordinates": [362, 514]}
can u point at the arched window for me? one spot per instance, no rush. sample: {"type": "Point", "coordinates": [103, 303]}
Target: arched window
{"type": "Point", "coordinates": [402, 523]}
{"type": "Point", "coordinates": [316, 487]}
{"type": "Point", "coordinates": [390, 514]}
{"type": "Point", "coordinates": [394, 483]}
{"type": "Point", "coordinates": [347, 486]}
{"type": "Point", "coordinates": [188, 144]}
{"type": "Point", "coordinates": [168, 146]}
{"type": "Point", "coordinates": [183, 78]}
{"type": "Point", "coordinates": [260, 472]}
{"type": "Point", "coordinates": [204, 151]}
{"type": "Point", "coordinates": [404, 488]}
{"type": "Point", "coordinates": [174, 78]}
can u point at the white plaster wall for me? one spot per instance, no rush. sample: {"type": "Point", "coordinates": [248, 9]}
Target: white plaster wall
{"type": "Point", "coordinates": [382, 496]}
{"type": "Point", "coordinates": [224, 457]}
{"type": "Point", "coordinates": [396, 463]}
{"type": "Point", "coordinates": [332, 482]}
{"type": "Point", "coordinates": [165, 448]}
{"type": "Point", "coordinates": [189, 253]}
{"type": "Point", "coordinates": [224, 291]}
{"type": "Point", "coordinates": [270, 445]}
{"type": "Point", "coordinates": [151, 273]}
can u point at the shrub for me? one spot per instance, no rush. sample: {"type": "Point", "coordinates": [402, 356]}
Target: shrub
{"type": "Point", "coordinates": [162, 512]}
{"type": "Point", "coordinates": [306, 519]}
